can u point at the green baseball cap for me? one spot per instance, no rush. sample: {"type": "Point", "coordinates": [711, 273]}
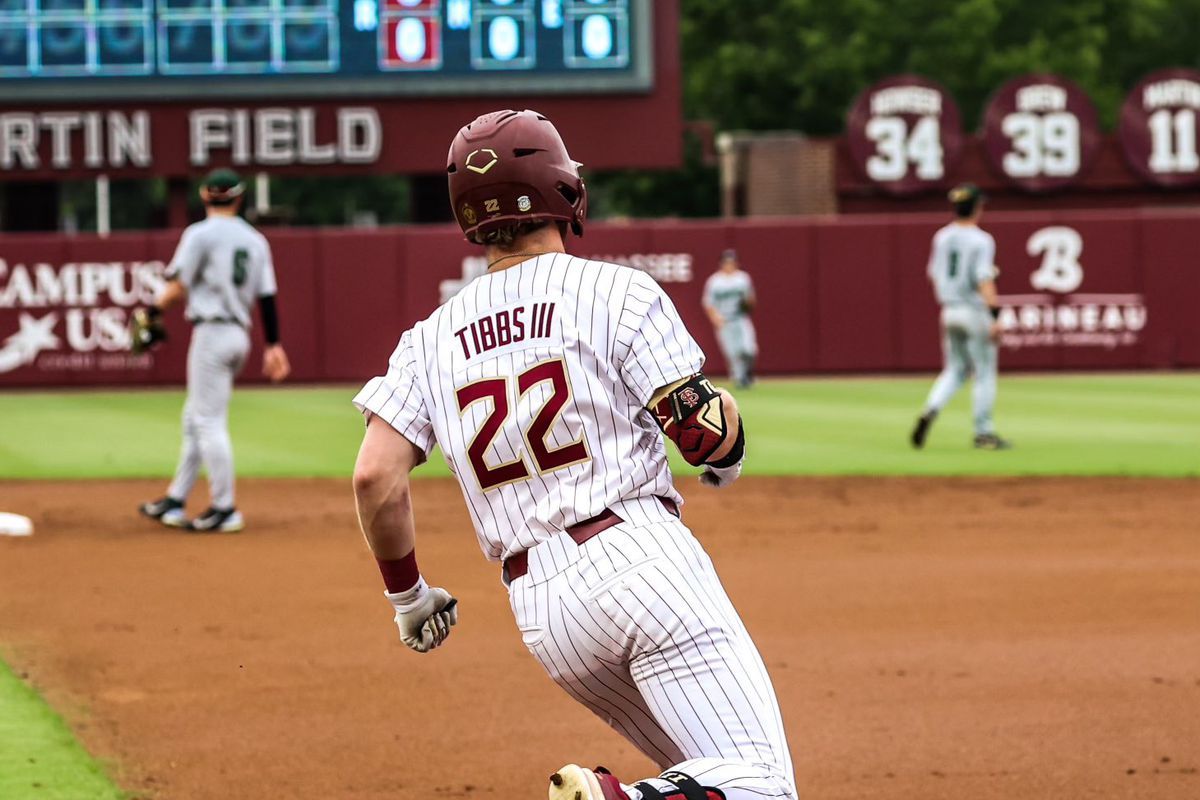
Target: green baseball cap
{"type": "Point", "coordinates": [224, 183]}
{"type": "Point", "coordinates": [965, 193]}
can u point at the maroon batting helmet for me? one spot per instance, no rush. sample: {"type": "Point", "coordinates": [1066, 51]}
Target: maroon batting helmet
{"type": "Point", "coordinates": [508, 167]}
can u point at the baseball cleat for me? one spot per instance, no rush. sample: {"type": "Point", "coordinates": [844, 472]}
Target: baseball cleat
{"type": "Point", "coordinates": [574, 782]}
{"type": "Point", "coordinates": [166, 510]}
{"type": "Point", "coordinates": [990, 441]}
{"type": "Point", "coordinates": [924, 423]}
{"type": "Point", "coordinates": [216, 520]}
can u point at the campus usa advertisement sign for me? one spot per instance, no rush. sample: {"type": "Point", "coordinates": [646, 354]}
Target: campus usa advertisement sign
{"type": "Point", "coordinates": [64, 310]}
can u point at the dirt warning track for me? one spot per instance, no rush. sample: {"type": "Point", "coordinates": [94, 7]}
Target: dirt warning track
{"type": "Point", "coordinates": [985, 639]}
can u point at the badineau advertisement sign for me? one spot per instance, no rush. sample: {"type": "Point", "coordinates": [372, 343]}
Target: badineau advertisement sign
{"type": "Point", "coordinates": [1058, 309]}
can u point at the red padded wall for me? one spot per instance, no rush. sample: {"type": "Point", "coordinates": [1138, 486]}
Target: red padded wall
{"type": "Point", "coordinates": [835, 294]}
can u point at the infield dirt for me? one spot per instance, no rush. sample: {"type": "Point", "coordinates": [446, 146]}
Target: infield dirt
{"type": "Point", "coordinates": [985, 639]}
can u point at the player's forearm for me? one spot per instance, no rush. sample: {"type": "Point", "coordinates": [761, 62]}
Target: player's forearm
{"type": "Point", "coordinates": [385, 513]}
{"type": "Point", "coordinates": [384, 503]}
{"type": "Point", "coordinates": [173, 292]}
{"type": "Point", "coordinates": [268, 310]}
{"type": "Point", "coordinates": [987, 290]}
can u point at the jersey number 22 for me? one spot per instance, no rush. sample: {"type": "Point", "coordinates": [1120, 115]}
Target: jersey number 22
{"type": "Point", "coordinates": [544, 457]}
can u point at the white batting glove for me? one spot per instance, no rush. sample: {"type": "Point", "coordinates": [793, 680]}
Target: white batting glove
{"type": "Point", "coordinates": [424, 615]}
{"type": "Point", "coordinates": [720, 477]}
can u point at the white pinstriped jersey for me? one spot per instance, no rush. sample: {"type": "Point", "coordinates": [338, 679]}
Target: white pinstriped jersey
{"type": "Point", "coordinates": [534, 382]}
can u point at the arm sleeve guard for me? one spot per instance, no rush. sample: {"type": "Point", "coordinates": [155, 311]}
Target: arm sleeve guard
{"type": "Point", "coordinates": [269, 312]}
{"type": "Point", "coordinates": [692, 415]}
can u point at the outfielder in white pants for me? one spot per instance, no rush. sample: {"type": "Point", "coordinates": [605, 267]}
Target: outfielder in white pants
{"type": "Point", "coordinates": [967, 350]}
{"type": "Point", "coordinates": [220, 268]}
{"type": "Point", "coordinates": [215, 357]}
{"type": "Point", "coordinates": [963, 272]}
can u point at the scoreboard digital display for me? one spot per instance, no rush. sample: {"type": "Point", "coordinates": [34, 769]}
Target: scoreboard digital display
{"type": "Point", "coordinates": [54, 50]}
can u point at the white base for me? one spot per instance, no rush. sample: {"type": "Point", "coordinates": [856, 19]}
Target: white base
{"type": "Point", "coordinates": [15, 525]}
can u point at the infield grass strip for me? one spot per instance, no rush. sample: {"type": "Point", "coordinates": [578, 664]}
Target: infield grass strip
{"type": "Point", "coordinates": [39, 758]}
{"type": "Point", "coordinates": [1124, 424]}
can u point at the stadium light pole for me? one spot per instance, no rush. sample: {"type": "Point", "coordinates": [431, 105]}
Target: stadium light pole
{"type": "Point", "coordinates": [103, 207]}
{"type": "Point", "coordinates": [262, 193]}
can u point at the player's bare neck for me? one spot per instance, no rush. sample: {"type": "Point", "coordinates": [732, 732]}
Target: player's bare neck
{"type": "Point", "coordinates": [531, 245]}
{"type": "Point", "coordinates": [221, 211]}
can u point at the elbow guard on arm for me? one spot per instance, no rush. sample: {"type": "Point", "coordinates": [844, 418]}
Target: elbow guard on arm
{"type": "Point", "coordinates": [693, 415]}
{"type": "Point", "coordinates": [270, 318]}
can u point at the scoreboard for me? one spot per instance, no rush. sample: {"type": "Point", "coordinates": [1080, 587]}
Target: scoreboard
{"type": "Point", "coordinates": [56, 50]}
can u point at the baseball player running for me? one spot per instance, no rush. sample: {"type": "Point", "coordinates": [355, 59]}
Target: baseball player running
{"type": "Point", "coordinates": [728, 301]}
{"type": "Point", "coordinates": [222, 265]}
{"type": "Point", "coordinates": [963, 272]}
{"type": "Point", "coordinates": [546, 381]}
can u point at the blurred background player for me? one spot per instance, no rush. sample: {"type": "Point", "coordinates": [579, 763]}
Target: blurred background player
{"type": "Point", "coordinates": [728, 300]}
{"type": "Point", "coordinates": [962, 269]}
{"type": "Point", "coordinates": [222, 265]}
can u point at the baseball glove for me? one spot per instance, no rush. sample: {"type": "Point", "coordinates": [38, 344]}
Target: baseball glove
{"type": "Point", "coordinates": [146, 329]}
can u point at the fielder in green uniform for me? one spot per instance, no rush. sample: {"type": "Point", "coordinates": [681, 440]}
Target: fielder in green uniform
{"type": "Point", "coordinates": [728, 301]}
{"type": "Point", "coordinates": [962, 269]}
{"type": "Point", "coordinates": [221, 267]}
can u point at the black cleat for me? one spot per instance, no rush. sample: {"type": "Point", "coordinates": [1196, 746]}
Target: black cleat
{"type": "Point", "coordinates": [921, 429]}
{"type": "Point", "coordinates": [990, 441]}
{"type": "Point", "coordinates": [166, 510]}
{"type": "Point", "coordinates": [217, 520]}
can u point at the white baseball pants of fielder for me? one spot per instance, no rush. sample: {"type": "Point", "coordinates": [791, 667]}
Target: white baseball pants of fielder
{"type": "Point", "coordinates": [215, 357]}
{"type": "Point", "coordinates": [635, 625]}
{"type": "Point", "coordinates": [967, 349]}
{"type": "Point", "coordinates": [739, 345]}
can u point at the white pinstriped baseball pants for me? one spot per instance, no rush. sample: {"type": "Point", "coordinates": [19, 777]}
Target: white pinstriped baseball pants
{"type": "Point", "coordinates": [636, 625]}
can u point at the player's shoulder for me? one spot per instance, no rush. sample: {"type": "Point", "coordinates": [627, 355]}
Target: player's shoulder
{"type": "Point", "coordinates": [244, 228]}
{"type": "Point", "coordinates": [594, 266]}
{"type": "Point", "coordinates": [617, 282]}
{"type": "Point", "coordinates": [597, 277]}
{"type": "Point", "coordinates": [946, 230]}
{"type": "Point", "coordinates": [197, 229]}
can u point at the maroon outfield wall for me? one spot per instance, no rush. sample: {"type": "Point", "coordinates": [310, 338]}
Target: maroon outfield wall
{"type": "Point", "coordinates": [1081, 290]}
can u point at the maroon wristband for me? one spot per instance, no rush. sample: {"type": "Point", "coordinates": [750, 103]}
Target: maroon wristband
{"type": "Point", "coordinates": [399, 574]}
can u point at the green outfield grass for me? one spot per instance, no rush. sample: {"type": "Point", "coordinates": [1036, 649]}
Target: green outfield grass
{"type": "Point", "coordinates": [1128, 424]}
{"type": "Point", "coordinates": [39, 758]}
